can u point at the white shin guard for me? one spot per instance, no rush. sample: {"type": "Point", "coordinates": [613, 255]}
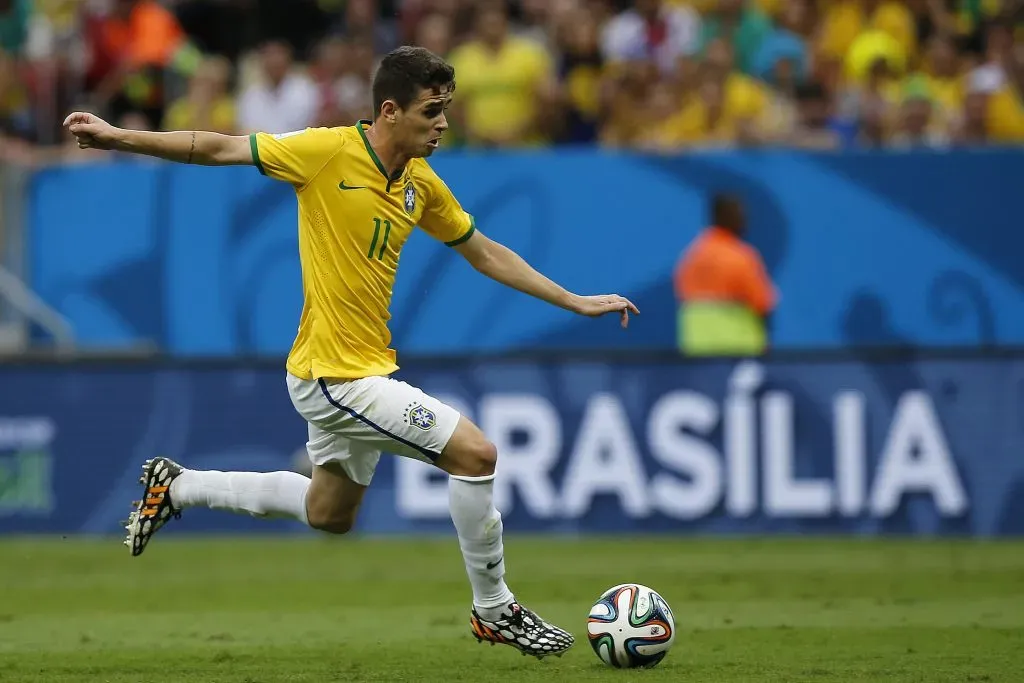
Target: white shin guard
{"type": "Point", "coordinates": [478, 523]}
{"type": "Point", "coordinates": [260, 494]}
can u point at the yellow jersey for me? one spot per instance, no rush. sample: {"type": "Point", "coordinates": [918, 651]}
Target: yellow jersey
{"type": "Point", "coordinates": [353, 221]}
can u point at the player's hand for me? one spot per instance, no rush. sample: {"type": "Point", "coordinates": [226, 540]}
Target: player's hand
{"type": "Point", "coordinates": [601, 304]}
{"type": "Point", "coordinates": [91, 132]}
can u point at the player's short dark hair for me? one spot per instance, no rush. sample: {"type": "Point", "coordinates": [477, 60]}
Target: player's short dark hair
{"type": "Point", "coordinates": [407, 70]}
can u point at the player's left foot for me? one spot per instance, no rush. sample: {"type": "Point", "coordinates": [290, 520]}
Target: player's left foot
{"type": "Point", "coordinates": [523, 630]}
{"type": "Point", "coordinates": [155, 508]}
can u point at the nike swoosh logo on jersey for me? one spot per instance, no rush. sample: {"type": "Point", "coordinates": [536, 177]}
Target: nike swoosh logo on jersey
{"type": "Point", "coordinates": [492, 565]}
{"type": "Point", "coordinates": [343, 186]}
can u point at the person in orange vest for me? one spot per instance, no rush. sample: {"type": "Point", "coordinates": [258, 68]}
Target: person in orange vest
{"type": "Point", "coordinates": [724, 292]}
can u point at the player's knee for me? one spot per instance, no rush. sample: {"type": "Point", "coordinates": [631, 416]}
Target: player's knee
{"type": "Point", "coordinates": [478, 459]}
{"type": "Point", "coordinates": [333, 525]}
{"type": "Point", "coordinates": [331, 521]}
{"type": "Point", "coordinates": [340, 525]}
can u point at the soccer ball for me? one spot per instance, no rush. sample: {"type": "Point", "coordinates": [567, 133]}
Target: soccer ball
{"type": "Point", "coordinates": [631, 626]}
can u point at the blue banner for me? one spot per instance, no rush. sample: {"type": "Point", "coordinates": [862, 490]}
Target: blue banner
{"type": "Point", "coordinates": [866, 249]}
{"type": "Point", "coordinates": [587, 446]}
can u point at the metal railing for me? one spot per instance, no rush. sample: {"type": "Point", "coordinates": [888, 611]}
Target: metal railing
{"type": "Point", "coordinates": [20, 307]}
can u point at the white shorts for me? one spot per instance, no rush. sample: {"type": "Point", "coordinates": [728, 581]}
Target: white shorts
{"type": "Point", "coordinates": [352, 422]}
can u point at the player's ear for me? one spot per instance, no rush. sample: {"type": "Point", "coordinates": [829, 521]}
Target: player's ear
{"type": "Point", "coordinates": [389, 111]}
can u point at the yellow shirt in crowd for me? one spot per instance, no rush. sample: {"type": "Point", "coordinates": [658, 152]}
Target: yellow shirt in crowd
{"type": "Point", "coordinates": [743, 100]}
{"type": "Point", "coordinates": [184, 115]}
{"type": "Point", "coordinates": [499, 89]}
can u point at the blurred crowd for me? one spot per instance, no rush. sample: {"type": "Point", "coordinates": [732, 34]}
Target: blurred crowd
{"type": "Point", "coordinates": [651, 74]}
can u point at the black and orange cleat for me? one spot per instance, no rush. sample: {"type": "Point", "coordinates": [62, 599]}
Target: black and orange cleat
{"type": "Point", "coordinates": [523, 630]}
{"type": "Point", "coordinates": [155, 509]}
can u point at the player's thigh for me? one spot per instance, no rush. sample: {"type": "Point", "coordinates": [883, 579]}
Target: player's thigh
{"type": "Point", "coordinates": [386, 415]}
{"type": "Point", "coordinates": [342, 470]}
{"type": "Point", "coordinates": [357, 460]}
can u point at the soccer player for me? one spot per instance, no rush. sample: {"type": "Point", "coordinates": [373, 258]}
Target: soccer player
{"type": "Point", "coordinates": [361, 190]}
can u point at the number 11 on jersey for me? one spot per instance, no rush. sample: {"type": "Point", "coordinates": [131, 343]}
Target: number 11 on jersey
{"type": "Point", "coordinates": [377, 222]}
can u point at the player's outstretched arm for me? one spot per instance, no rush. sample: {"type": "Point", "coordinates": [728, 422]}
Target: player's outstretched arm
{"type": "Point", "coordinates": [500, 263]}
{"type": "Point", "coordinates": [189, 147]}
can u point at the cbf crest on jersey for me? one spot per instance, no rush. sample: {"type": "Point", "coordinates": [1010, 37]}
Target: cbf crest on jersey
{"type": "Point", "coordinates": [410, 197]}
{"type": "Point", "coordinates": [420, 417]}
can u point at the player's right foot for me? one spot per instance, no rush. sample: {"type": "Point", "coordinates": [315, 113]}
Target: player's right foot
{"type": "Point", "coordinates": [155, 508]}
{"type": "Point", "coordinates": [523, 630]}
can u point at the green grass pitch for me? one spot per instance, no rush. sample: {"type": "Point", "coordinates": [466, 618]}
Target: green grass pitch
{"type": "Point", "coordinates": [316, 610]}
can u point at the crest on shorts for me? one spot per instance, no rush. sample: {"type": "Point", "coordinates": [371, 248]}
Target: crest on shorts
{"type": "Point", "coordinates": [410, 198]}
{"type": "Point", "coordinates": [420, 417]}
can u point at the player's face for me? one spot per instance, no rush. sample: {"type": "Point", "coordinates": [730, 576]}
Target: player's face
{"type": "Point", "coordinates": [423, 123]}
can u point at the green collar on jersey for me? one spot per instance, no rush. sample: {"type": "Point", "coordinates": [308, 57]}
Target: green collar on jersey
{"type": "Point", "coordinates": [373, 155]}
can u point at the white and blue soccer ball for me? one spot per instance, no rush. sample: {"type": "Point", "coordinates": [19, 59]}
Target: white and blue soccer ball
{"type": "Point", "coordinates": [631, 626]}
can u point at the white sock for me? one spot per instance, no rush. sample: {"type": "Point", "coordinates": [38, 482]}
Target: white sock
{"type": "Point", "coordinates": [261, 494]}
{"type": "Point", "coordinates": [478, 523]}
